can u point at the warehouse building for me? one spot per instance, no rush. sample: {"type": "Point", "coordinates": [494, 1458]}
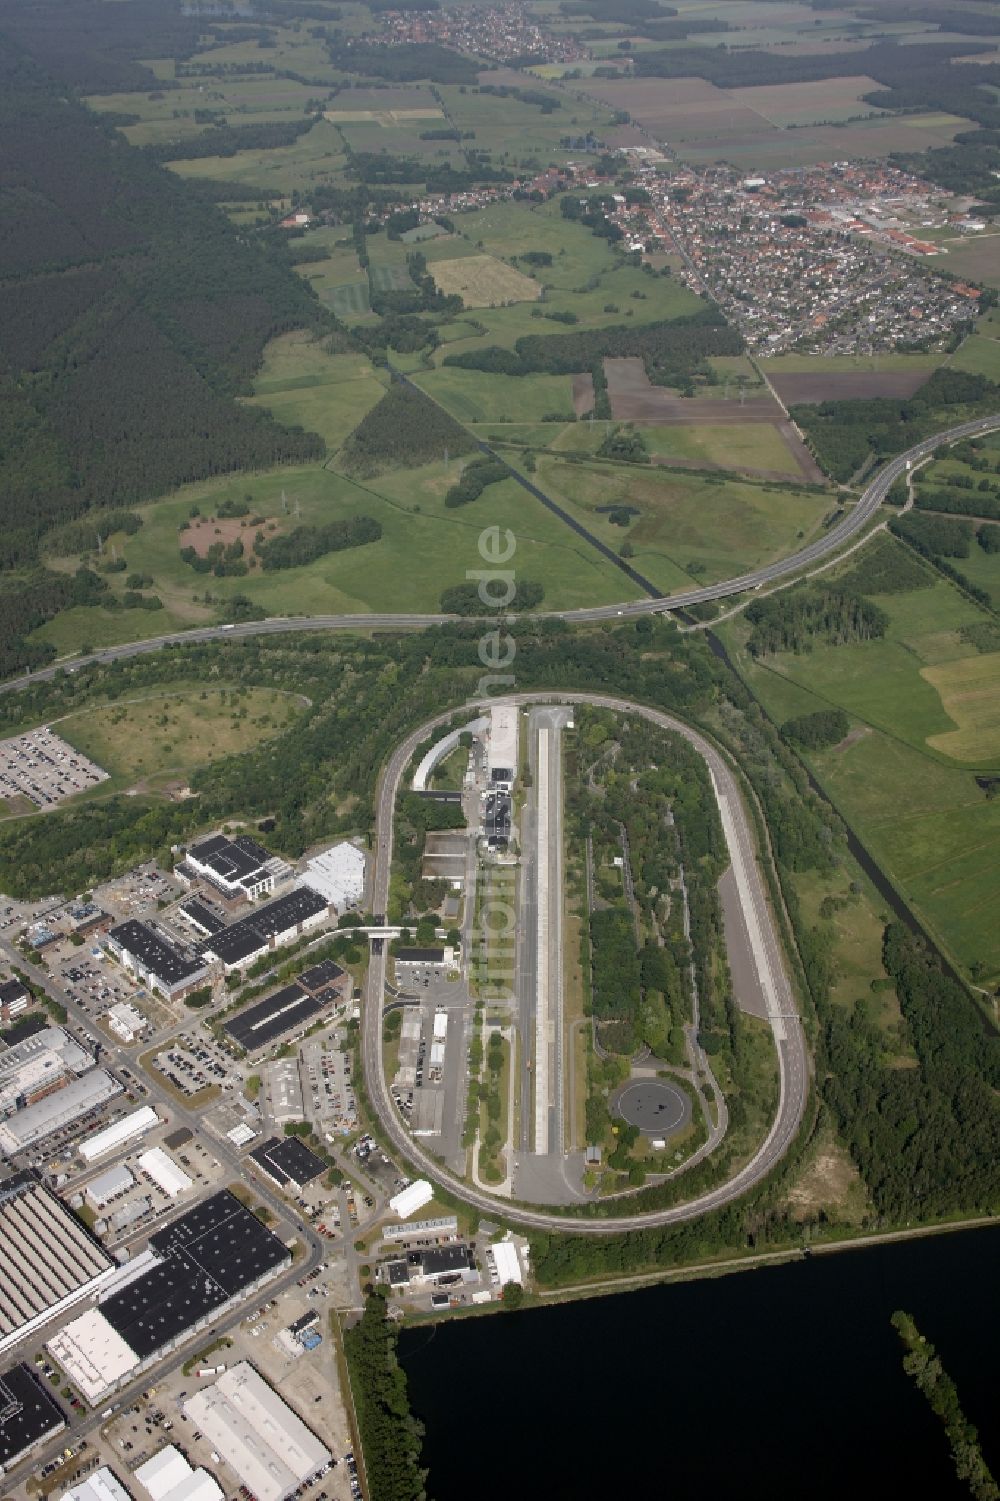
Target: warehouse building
{"type": "Point", "coordinates": [101, 1485]}
{"type": "Point", "coordinates": [164, 1172]}
{"type": "Point", "coordinates": [199, 1266]}
{"type": "Point", "coordinates": [49, 1262]}
{"type": "Point", "coordinates": [118, 1133]}
{"type": "Point", "coordinates": [108, 1186]}
{"type": "Point", "coordinates": [29, 1415]}
{"type": "Point", "coordinates": [237, 869]}
{"type": "Point", "coordinates": [154, 960]}
{"type": "Point", "coordinates": [288, 1162]}
{"type": "Point", "coordinates": [38, 1066]}
{"type": "Point", "coordinates": [63, 1107]}
{"type": "Point", "coordinates": [258, 1435]}
{"type": "Point", "coordinates": [168, 1476]}
{"type": "Point", "coordinates": [321, 976]}
{"type": "Point", "coordinates": [286, 1013]}
{"type": "Point", "coordinates": [411, 1198]}
{"type": "Point", "coordinates": [338, 874]}
{"type": "Point", "coordinates": [277, 922]}
{"type": "Point", "coordinates": [201, 917]}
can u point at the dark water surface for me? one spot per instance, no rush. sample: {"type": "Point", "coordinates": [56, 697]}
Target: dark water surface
{"type": "Point", "coordinates": [781, 1382]}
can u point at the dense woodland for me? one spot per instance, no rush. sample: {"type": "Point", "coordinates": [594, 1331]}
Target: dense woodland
{"type": "Point", "coordinates": [672, 352]}
{"type": "Point", "coordinates": [406, 427]}
{"type": "Point", "coordinates": [390, 1436]}
{"type": "Point", "coordinates": [845, 434]}
{"type": "Point", "coordinates": [796, 619]}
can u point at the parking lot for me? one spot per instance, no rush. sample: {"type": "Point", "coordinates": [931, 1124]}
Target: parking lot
{"type": "Point", "coordinates": [328, 1091]}
{"type": "Point", "coordinates": [45, 769]}
{"type": "Point", "coordinates": [191, 1065]}
{"type": "Point", "coordinates": [137, 892]}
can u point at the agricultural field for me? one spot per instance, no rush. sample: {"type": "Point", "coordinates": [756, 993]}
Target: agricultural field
{"type": "Point", "coordinates": [301, 384]}
{"type": "Point", "coordinates": [925, 712]}
{"type": "Point", "coordinates": [480, 396]}
{"type": "Point", "coordinates": [168, 733]}
{"type": "Point", "coordinates": [689, 529]}
{"type": "Point", "coordinates": [483, 281]}
{"type": "Point", "coordinates": [818, 102]}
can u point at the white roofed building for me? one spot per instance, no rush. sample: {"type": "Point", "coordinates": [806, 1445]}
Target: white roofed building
{"type": "Point", "coordinates": [412, 1198]}
{"type": "Point", "coordinates": [100, 1485]}
{"type": "Point", "coordinates": [507, 1262]}
{"type": "Point", "coordinates": [107, 1186]}
{"type": "Point", "coordinates": [258, 1435]}
{"type": "Point", "coordinates": [127, 1129]}
{"type": "Point", "coordinates": [63, 1107]}
{"type": "Point", "coordinates": [169, 1477]}
{"type": "Point", "coordinates": [164, 1172]}
{"type": "Point", "coordinates": [338, 874]}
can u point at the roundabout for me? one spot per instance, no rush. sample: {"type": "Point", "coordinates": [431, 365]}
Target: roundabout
{"type": "Point", "coordinates": [656, 1107]}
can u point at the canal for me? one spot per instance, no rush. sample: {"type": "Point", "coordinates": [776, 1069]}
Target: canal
{"type": "Point", "coordinates": [781, 1382]}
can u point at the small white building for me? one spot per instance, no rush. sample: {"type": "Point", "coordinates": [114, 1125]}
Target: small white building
{"type": "Point", "coordinates": [101, 1485]}
{"type": "Point", "coordinates": [126, 1021]}
{"type": "Point", "coordinates": [507, 1262]}
{"type": "Point", "coordinates": [108, 1186]}
{"type": "Point", "coordinates": [169, 1477]}
{"type": "Point", "coordinates": [137, 1124]}
{"type": "Point", "coordinates": [410, 1199]}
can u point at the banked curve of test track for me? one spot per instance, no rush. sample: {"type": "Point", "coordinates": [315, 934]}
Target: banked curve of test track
{"type": "Point", "coordinates": [790, 1043]}
{"type": "Point", "coordinates": [872, 497]}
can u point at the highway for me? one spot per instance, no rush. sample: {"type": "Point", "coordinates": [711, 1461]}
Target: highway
{"type": "Point", "coordinates": [792, 1054]}
{"type": "Point", "coordinates": [852, 523]}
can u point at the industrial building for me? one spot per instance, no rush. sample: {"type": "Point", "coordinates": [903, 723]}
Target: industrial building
{"type": "Point", "coordinates": [108, 1186]}
{"type": "Point", "coordinates": [320, 976]}
{"type": "Point", "coordinates": [338, 874]}
{"type": "Point", "coordinates": [237, 869]}
{"type": "Point", "coordinates": [288, 1162]}
{"type": "Point", "coordinates": [502, 747]}
{"type": "Point", "coordinates": [137, 1123]}
{"type": "Point", "coordinates": [15, 998]}
{"type": "Point", "coordinates": [433, 1264]}
{"type": "Point", "coordinates": [445, 1228]}
{"type": "Point", "coordinates": [101, 1485]}
{"type": "Point", "coordinates": [168, 1476]}
{"type": "Point", "coordinates": [49, 1262]}
{"type": "Point", "coordinates": [63, 1107]}
{"type": "Point", "coordinates": [507, 1263]}
{"type": "Point", "coordinates": [258, 1435]}
{"type": "Point", "coordinates": [28, 1415]}
{"type": "Point", "coordinates": [198, 1266]}
{"type": "Point", "coordinates": [201, 917]}
{"type": "Point", "coordinates": [277, 922]}
{"type": "Point", "coordinates": [38, 1066]}
{"type": "Point", "coordinates": [126, 1021]}
{"type": "Point", "coordinates": [154, 960]}
{"type": "Point", "coordinates": [288, 1011]}
{"type": "Point", "coordinates": [164, 1172]}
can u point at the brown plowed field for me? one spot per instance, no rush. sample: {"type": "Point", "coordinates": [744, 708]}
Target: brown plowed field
{"type": "Point", "coordinates": [634, 399]}
{"type": "Point", "coordinates": [846, 385]}
{"type": "Point", "coordinates": [583, 394]}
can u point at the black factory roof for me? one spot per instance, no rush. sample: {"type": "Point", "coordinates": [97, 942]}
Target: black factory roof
{"type": "Point", "coordinates": [288, 1160]}
{"type": "Point", "coordinates": [231, 859]}
{"type": "Point", "coordinates": [161, 958]}
{"type": "Point", "coordinates": [209, 1255]}
{"type": "Point", "coordinates": [27, 1412]}
{"type": "Point", "coordinates": [265, 1021]}
{"type": "Point", "coordinates": [251, 933]}
{"type": "Point", "coordinates": [320, 975]}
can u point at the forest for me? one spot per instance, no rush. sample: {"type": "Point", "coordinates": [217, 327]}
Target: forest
{"type": "Point", "coordinates": [307, 543]}
{"type": "Point", "coordinates": [405, 427]}
{"type": "Point", "coordinates": [671, 351]}
{"type": "Point", "coordinates": [844, 434]}
{"type": "Point", "coordinates": [390, 1435]}
{"type": "Point", "coordinates": [795, 619]}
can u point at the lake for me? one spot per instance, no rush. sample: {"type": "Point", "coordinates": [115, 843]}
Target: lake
{"type": "Point", "coordinates": [782, 1382]}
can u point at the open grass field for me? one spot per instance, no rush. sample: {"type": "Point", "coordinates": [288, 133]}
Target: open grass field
{"type": "Point", "coordinates": [929, 707]}
{"type": "Point", "coordinates": [483, 281]}
{"type": "Point", "coordinates": [302, 385]}
{"type": "Point", "coordinates": [749, 445]}
{"type": "Point", "coordinates": [316, 157]}
{"type": "Point", "coordinates": [969, 689]}
{"type": "Point", "coordinates": [170, 732]}
{"type": "Point", "coordinates": [689, 528]}
{"type": "Point", "coordinates": [980, 355]}
{"type": "Point", "coordinates": [425, 547]}
{"type": "Point", "coordinates": [480, 396]}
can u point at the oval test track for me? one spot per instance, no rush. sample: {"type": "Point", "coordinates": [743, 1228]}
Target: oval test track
{"type": "Point", "coordinates": [793, 1061]}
